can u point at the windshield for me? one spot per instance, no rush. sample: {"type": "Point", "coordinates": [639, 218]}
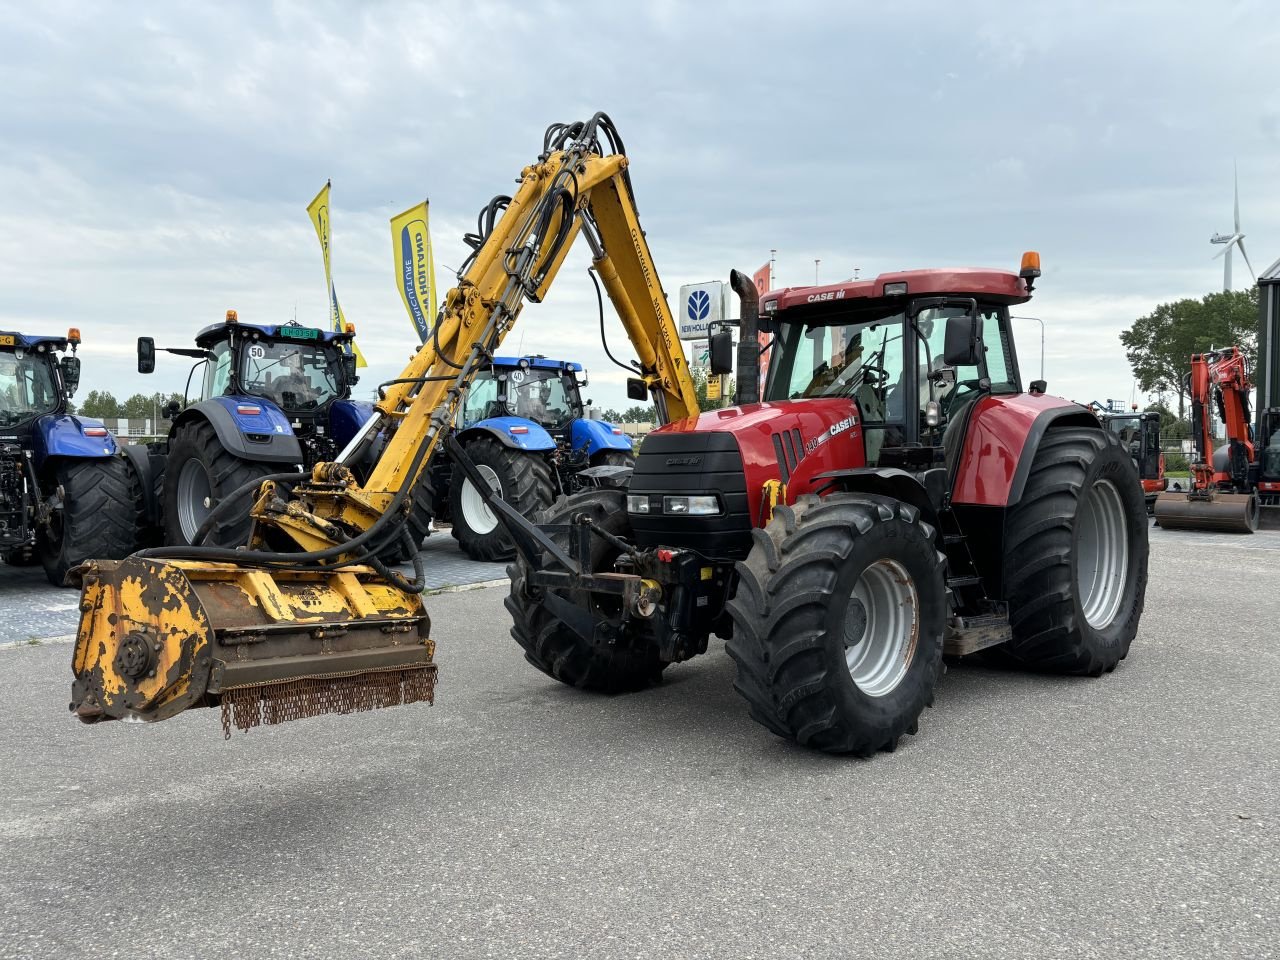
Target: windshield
{"type": "Point", "coordinates": [296, 376]}
{"type": "Point", "coordinates": [860, 360]}
{"type": "Point", "coordinates": [28, 386]}
{"type": "Point", "coordinates": [539, 395]}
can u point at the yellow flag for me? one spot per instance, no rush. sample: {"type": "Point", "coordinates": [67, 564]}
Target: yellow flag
{"type": "Point", "coordinates": [318, 210]}
{"type": "Point", "coordinates": [415, 266]}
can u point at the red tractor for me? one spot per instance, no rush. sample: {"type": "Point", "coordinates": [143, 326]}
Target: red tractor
{"type": "Point", "coordinates": [890, 495]}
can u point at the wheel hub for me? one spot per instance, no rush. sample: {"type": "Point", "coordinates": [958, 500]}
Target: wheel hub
{"type": "Point", "coordinates": [1102, 553]}
{"type": "Point", "coordinates": [881, 627]}
{"type": "Point", "coordinates": [136, 657]}
{"type": "Point", "coordinates": [195, 498]}
{"type": "Point", "coordinates": [475, 511]}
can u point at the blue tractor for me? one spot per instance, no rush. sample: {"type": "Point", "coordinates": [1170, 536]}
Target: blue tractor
{"type": "Point", "coordinates": [524, 425]}
{"type": "Point", "coordinates": [271, 398]}
{"type": "Point", "coordinates": [66, 494]}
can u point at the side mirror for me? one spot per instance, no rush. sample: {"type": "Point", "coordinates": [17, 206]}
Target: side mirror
{"type": "Point", "coordinates": [584, 381]}
{"type": "Point", "coordinates": [172, 410]}
{"type": "Point", "coordinates": [146, 355]}
{"type": "Point", "coordinates": [636, 389]}
{"type": "Point", "coordinates": [349, 369]}
{"type": "Point", "coordinates": [70, 373]}
{"type": "Point", "coordinates": [963, 343]}
{"type": "Point", "coordinates": [720, 347]}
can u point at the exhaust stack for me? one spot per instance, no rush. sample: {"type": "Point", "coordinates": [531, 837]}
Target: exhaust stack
{"type": "Point", "coordinates": [748, 374]}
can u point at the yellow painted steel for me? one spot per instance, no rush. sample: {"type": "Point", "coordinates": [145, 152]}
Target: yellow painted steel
{"type": "Point", "coordinates": [197, 623]}
{"type": "Point", "coordinates": [157, 636]}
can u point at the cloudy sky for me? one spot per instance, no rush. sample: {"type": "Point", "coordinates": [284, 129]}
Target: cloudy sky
{"type": "Point", "coordinates": [156, 160]}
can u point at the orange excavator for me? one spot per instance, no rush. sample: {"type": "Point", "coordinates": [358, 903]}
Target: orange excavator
{"type": "Point", "coordinates": [1226, 482]}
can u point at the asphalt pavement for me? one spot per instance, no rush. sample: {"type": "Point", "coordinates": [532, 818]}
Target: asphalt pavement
{"type": "Point", "coordinates": [1134, 815]}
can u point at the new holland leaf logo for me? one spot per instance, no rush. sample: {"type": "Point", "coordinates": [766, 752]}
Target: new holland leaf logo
{"type": "Point", "coordinates": [699, 306]}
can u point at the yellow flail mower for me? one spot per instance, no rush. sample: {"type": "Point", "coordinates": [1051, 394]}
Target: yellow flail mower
{"type": "Point", "coordinates": [304, 619]}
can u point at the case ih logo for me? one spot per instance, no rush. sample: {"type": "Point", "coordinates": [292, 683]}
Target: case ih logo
{"type": "Point", "coordinates": [683, 461]}
{"type": "Point", "coordinates": [699, 305]}
{"type": "Point", "coordinates": [829, 295]}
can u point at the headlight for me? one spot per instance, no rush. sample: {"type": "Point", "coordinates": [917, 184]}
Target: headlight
{"type": "Point", "coordinates": [691, 506]}
{"type": "Point", "coordinates": [637, 503]}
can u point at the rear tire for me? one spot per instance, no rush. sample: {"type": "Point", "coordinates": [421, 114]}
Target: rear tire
{"type": "Point", "coordinates": [838, 622]}
{"type": "Point", "coordinates": [522, 479]}
{"type": "Point", "coordinates": [199, 473]}
{"type": "Point", "coordinates": [98, 519]}
{"type": "Point", "coordinates": [555, 649]}
{"type": "Point", "coordinates": [1076, 555]}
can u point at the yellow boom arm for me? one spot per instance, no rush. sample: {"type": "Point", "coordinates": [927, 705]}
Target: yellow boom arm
{"type": "Point", "coordinates": [271, 633]}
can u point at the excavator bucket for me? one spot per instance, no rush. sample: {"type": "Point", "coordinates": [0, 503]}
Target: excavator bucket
{"type": "Point", "coordinates": [159, 636]}
{"type": "Point", "coordinates": [1223, 512]}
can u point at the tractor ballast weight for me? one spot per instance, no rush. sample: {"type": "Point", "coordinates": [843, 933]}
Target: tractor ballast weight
{"type": "Point", "coordinates": [66, 493]}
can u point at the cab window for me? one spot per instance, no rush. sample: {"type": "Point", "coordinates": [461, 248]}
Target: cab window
{"type": "Point", "coordinates": [217, 372]}
{"type": "Point", "coordinates": [482, 399]}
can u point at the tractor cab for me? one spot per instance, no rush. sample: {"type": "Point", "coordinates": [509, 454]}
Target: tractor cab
{"type": "Point", "coordinates": [34, 380]}
{"type": "Point", "coordinates": [301, 370]}
{"type": "Point", "coordinates": [528, 388]}
{"type": "Point", "coordinates": [272, 380]}
{"type": "Point", "coordinates": [912, 350]}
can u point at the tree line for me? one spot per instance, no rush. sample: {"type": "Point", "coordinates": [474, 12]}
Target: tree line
{"type": "Point", "coordinates": [102, 405]}
{"type": "Point", "coordinates": [1159, 346]}
{"type": "Point", "coordinates": [647, 414]}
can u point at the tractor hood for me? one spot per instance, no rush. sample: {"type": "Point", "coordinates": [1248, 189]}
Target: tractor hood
{"type": "Point", "coordinates": [791, 441]}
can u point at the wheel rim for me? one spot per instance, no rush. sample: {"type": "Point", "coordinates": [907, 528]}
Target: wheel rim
{"type": "Point", "coordinates": [881, 628]}
{"type": "Point", "coordinates": [195, 498]}
{"type": "Point", "coordinates": [475, 511]}
{"type": "Point", "coordinates": [1102, 553]}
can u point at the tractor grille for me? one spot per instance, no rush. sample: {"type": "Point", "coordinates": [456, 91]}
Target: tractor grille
{"type": "Point", "coordinates": [672, 464]}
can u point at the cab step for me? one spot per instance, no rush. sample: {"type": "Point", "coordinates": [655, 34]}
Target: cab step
{"type": "Point", "coordinates": [966, 635]}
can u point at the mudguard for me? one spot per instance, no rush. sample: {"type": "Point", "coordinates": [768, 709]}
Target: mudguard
{"type": "Point", "coordinates": [533, 436]}
{"type": "Point", "coordinates": [1001, 441]}
{"type": "Point", "coordinates": [346, 417]}
{"type": "Point", "coordinates": [925, 491]}
{"type": "Point", "coordinates": [64, 436]}
{"type": "Point", "coordinates": [139, 459]}
{"type": "Point", "coordinates": [249, 427]}
{"type": "Point", "coordinates": [597, 435]}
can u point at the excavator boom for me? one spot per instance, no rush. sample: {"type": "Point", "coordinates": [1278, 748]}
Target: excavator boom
{"type": "Point", "coordinates": [305, 619]}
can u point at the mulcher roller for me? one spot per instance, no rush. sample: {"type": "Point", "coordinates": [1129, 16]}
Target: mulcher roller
{"type": "Point", "coordinates": [1222, 512]}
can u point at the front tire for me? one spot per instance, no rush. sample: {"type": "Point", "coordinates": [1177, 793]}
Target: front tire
{"type": "Point", "coordinates": [622, 666]}
{"type": "Point", "coordinates": [1076, 555]}
{"type": "Point", "coordinates": [838, 622]}
{"type": "Point", "coordinates": [522, 479]}
{"type": "Point", "coordinates": [98, 519]}
{"type": "Point", "coordinates": [199, 473]}
{"type": "Point", "coordinates": [418, 521]}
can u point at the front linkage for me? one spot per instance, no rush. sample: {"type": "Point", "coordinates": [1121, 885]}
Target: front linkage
{"type": "Point", "coordinates": [647, 587]}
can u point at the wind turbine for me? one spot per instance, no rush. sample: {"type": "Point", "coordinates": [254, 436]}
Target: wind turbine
{"type": "Point", "coordinates": [1235, 239]}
